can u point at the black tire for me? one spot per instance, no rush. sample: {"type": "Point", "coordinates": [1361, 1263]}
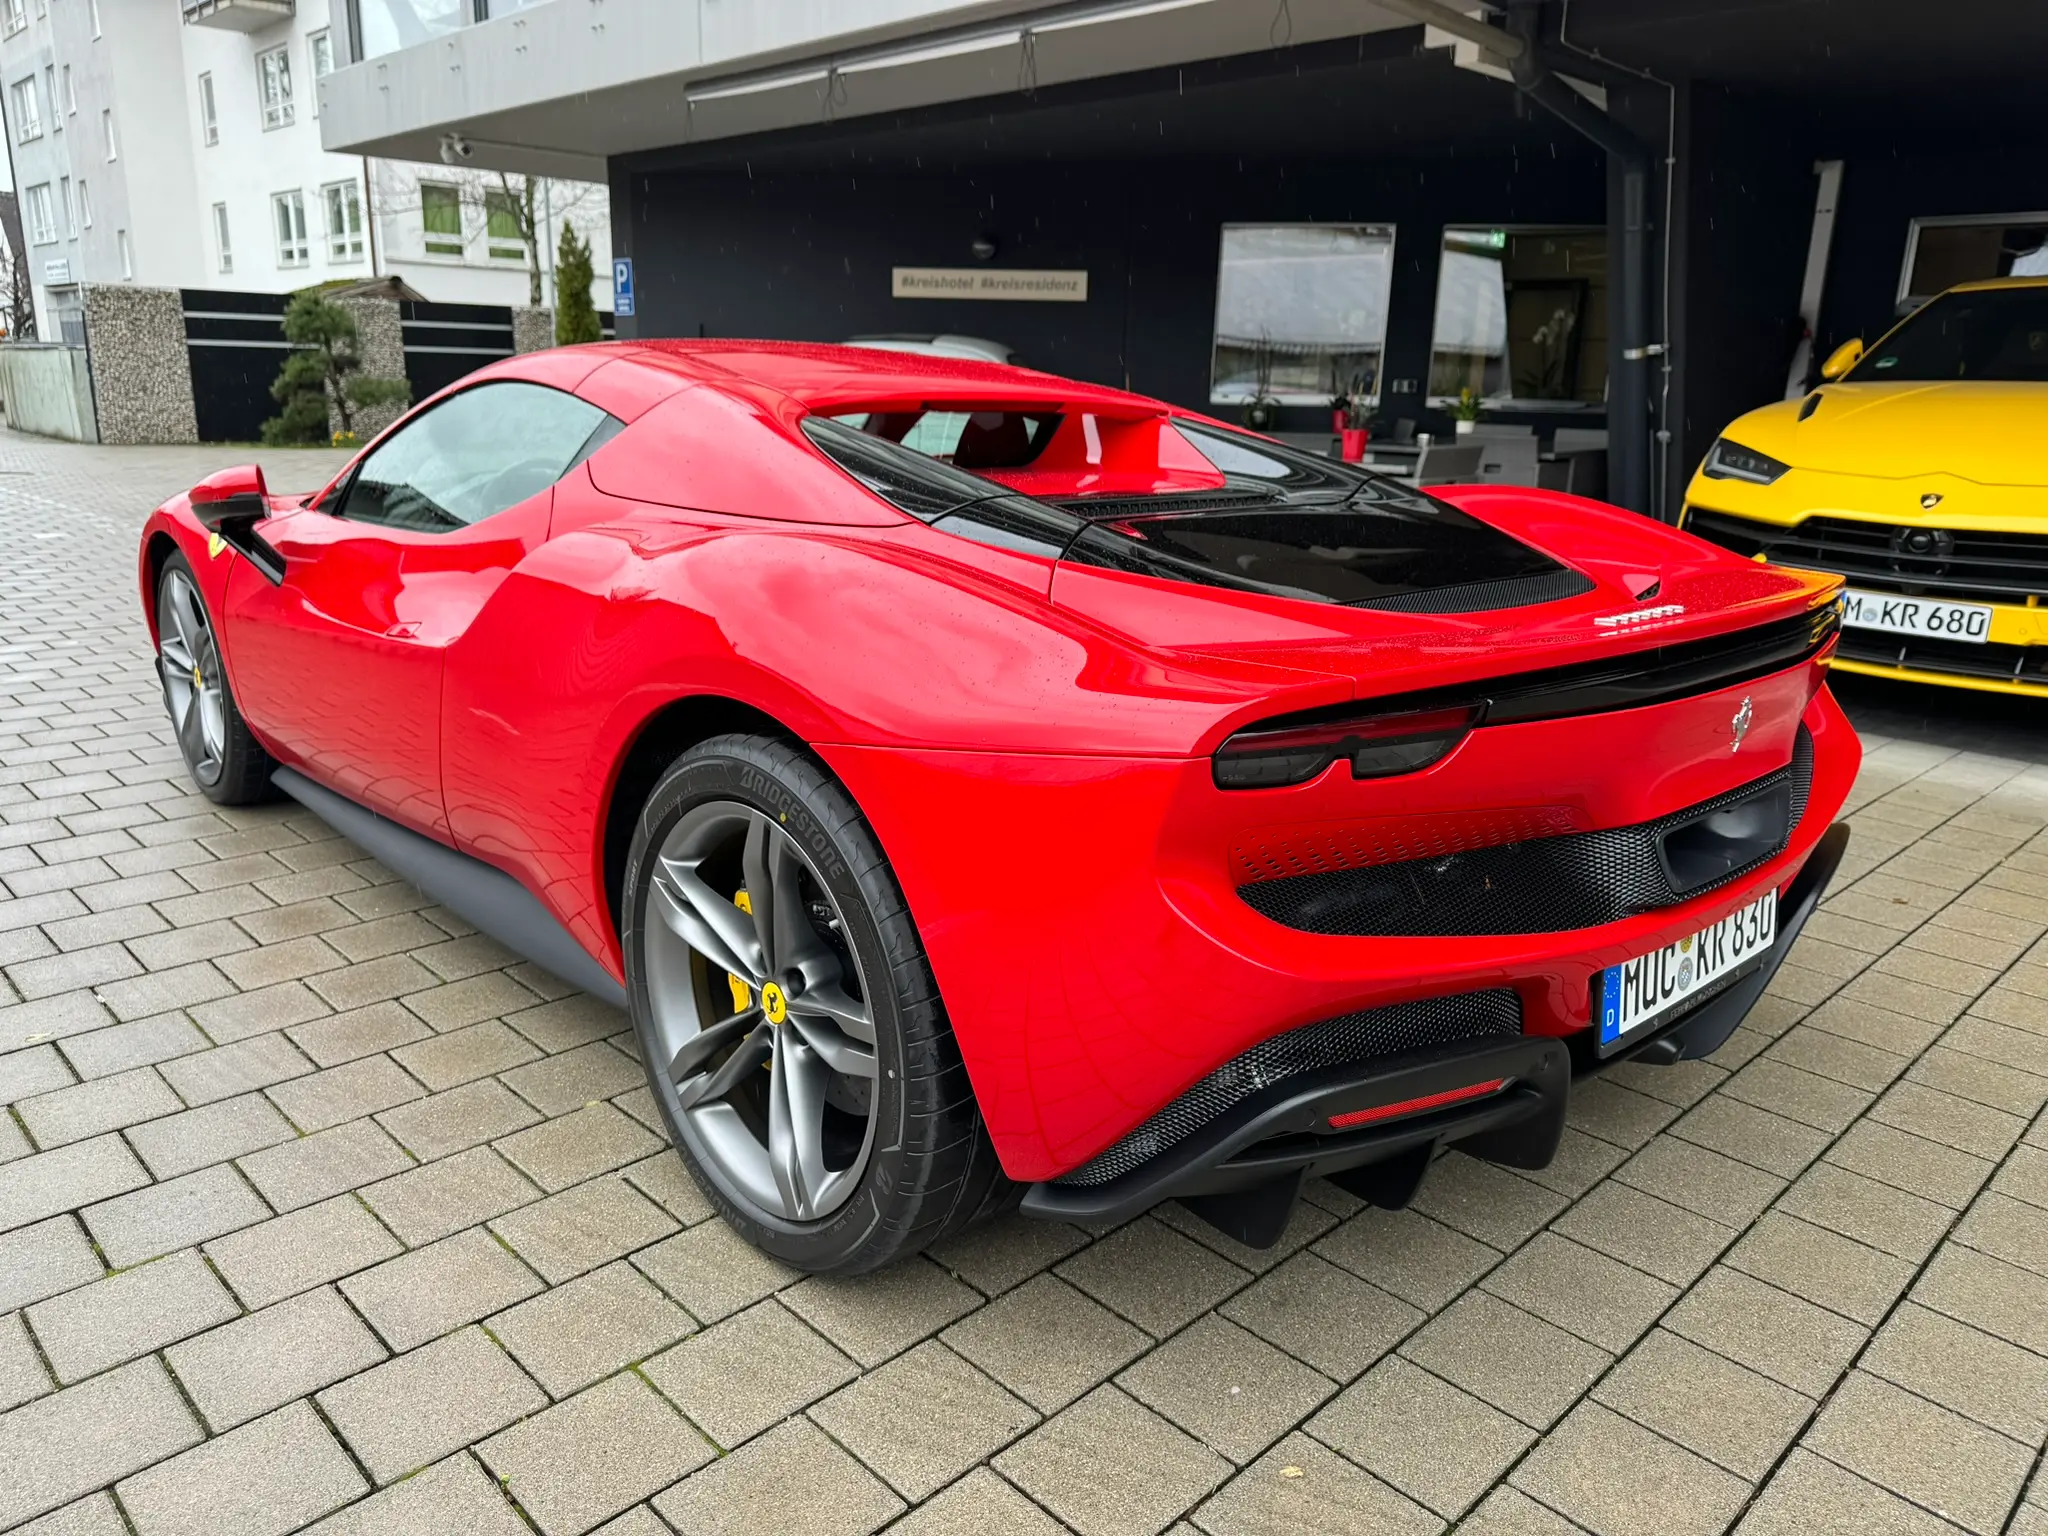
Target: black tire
{"type": "Point", "coordinates": [235, 770]}
{"type": "Point", "coordinates": [931, 1168]}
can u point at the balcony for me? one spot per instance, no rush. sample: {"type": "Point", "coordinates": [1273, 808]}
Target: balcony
{"type": "Point", "coordinates": [237, 15]}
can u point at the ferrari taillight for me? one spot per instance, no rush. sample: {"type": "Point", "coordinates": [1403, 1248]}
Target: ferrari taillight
{"type": "Point", "coordinates": [1264, 757]}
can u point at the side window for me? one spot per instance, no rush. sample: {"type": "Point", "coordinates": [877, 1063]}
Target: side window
{"type": "Point", "coordinates": [473, 455]}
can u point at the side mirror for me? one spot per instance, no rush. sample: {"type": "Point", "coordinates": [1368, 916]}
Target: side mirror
{"type": "Point", "coordinates": [1842, 359]}
{"type": "Point", "coordinates": [230, 495]}
{"type": "Point", "coordinates": [228, 505]}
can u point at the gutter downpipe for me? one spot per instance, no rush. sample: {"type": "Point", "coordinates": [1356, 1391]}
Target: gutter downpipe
{"type": "Point", "coordinates": [1628, 388]}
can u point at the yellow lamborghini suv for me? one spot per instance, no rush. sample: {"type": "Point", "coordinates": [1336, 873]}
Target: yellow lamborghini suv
{"type": "Point", "coordinates": [1918, 470]}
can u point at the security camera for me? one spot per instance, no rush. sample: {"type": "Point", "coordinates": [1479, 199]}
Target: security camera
{"type": "Point", "coordinates": [455, 149]}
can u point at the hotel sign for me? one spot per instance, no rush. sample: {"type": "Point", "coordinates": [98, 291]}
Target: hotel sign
{"type": "Point", "coordinates": [1048, 287]}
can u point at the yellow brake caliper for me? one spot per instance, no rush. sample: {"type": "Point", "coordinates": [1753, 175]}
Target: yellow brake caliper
{"type": "Point", "coordinates": [742, 994]}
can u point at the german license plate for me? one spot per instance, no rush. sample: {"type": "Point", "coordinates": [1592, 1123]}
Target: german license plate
{"type": "Point", "coordinates": [1917, 616]}
{"type": "Point", "coordinates": [1642, 993]}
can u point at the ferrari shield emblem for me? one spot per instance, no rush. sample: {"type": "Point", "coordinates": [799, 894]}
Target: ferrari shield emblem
{"type": "Point", "coordinates": [214, 545]}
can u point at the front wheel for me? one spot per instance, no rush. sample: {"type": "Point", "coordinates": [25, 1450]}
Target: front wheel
{"type": "Point", "coordinates": [788, 1018]}
{"type": "Point", "coordinates": [224, 758]}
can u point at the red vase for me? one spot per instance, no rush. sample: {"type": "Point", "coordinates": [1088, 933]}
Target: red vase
{"type": "Point", "coordinates": [1354, 443]}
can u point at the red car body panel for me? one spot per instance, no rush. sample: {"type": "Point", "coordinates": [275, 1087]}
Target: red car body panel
{"type": "Point", "coordinates": [1029, 740]}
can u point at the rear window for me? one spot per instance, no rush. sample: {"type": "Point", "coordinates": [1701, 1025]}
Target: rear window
{"type": "Point", "coordinates": [1283, 523]}
{"type": "Point", "coordinates": [970, 439]}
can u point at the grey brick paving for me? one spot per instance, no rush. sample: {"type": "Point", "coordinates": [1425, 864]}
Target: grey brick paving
{"type": "Point", "coordinates": [320, 1211]}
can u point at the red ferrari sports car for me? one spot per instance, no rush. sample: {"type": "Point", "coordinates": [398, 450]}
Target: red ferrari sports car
{"type": "Point", "coordinates": [985, 788]}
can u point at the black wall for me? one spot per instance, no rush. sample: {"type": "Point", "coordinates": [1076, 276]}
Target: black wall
{"type": "Point", "coordinates": [807, 254]}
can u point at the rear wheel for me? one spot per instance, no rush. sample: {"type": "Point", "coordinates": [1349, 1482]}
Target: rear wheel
{"type": "Point", "coordinates": [788, 1017]}
{"type": "Point", "coordinates": [226, 761]}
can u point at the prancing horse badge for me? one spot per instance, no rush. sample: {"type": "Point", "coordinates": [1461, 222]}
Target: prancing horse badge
{"type": "Point", "coordinates": [1740, 724]}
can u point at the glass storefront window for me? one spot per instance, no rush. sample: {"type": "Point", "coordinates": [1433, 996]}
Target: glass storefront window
{"type": "Point", "coordinates": [1521, 314]}
{"type": "Point", "coordinates": [388, 25]}
{"type": "Point", "coordinates": [1943, 252]}
{"type": "Point", "coordinates": [1301, 312]}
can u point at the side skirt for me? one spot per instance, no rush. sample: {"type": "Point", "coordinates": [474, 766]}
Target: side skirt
{"type": "Point", "coordinates": [485, 897]}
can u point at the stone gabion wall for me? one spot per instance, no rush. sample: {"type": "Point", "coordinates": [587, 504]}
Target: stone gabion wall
{"type": "Point", "coordinates": [533, 330]}
{"type": "Point", "coordinates": [380, 340]}
{"type": "Point", "coordinates": [142, 383]}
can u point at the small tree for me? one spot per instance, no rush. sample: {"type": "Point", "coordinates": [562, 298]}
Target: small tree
{"type": "Point", "coordinates": [323, 368]}
{"type": "Point", "coordinates": [575, 315]}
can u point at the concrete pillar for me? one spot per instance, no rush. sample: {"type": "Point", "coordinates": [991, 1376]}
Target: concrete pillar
{"type": "Point", "coordinates": [380, 342]}
{"type": "Point", "coordinates": [142, 380]}
{"type": "Point", "coordinates": [533, 330]}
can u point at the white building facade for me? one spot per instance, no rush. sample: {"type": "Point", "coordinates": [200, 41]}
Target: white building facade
{"type": "Point", "coordinates": [176, 144]}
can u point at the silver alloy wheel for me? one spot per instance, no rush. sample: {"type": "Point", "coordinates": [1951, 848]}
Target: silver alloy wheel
{"type": "Point", "coordinates": [734, 899]}
{"type": "Point", "coordinates": [189, 660]}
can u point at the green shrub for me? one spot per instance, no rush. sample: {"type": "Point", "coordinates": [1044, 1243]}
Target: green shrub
{"type": "Point", "coordinates": [575, 316]}
{"type": "Point", "coordinates": [323, 366]}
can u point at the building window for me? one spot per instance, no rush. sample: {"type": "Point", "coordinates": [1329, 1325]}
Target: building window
{"type": "Point", "coordinates": [50, 92]}
{"type": "Point", "coordinates": [14, 17]}
{"type": "Point", "coordinates": [70, 212]}
{"type": "Point", "coordinates": [84, 206]}
{"type": "Point", "coordinates": [274, 87]}
{"type": "Point", "coordinates": [28, 112]}
{"type": "Point", "coordinates": [344, 221]}
{"type": "Point", "coordinates": [441, 218]}
{"type": "Point", "coordinates": [502, 235]}
{"type": "Point", "coordinates": [288, 209]}
{"type": "Point", "coordinates": [127, 254]}
{"type": "Point", "coordinates": [70, 93]}
{"type": "Point", "coordinates": [1521, 314]}
{"type": "Point", "coordinates": [1301, 312]}
{"type": "Point", "coordinates": [209, 119]}
{"type": "Point", "coordinates": [107, 127]}
{"type": "Point", "coordinates": [42, 217]}
{"type": "Point", "coordinates": [388, 25]}
{"type": "Point", "coordinates": [220, 237]}
{"type": "Point", "coordinates": [1943, 252]}
{"type": "Point", "coordinates": [94, 7]}
{"type": "Point", "coordinates": [320, 49]}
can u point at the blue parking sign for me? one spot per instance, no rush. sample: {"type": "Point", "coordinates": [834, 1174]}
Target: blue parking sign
{"type": "Point", "coordinates": [622, 286]}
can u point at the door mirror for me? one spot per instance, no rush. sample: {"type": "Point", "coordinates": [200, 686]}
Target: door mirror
{"type": "Point", "coordinates": [1842, 359]}
{"type": "Point", "coordinates": [230, 495]}
{"type": "Point", "coordinates": [229, 505]}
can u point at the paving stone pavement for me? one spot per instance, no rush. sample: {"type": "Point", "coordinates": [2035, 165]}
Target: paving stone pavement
{"type": "Point", "coordinates": [317, 1210]}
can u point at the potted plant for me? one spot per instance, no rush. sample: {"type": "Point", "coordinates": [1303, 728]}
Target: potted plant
{"type": "Point", "coordinates": [1465, 410]}
{"type": "Point", "coordinates": [1354, 434]}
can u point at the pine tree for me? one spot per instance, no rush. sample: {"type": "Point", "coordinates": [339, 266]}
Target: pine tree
{"type": "Point", "coordinates": [324, 365]}
{"type": "Point", "coordinates": [575, 315]}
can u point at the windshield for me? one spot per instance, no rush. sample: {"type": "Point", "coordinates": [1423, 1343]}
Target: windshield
{"type": "Point", "coordinates": [1987, 334]}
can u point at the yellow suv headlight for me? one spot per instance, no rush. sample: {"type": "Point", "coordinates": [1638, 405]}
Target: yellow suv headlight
{"type": "Point", "coordinates": [1732, 461]}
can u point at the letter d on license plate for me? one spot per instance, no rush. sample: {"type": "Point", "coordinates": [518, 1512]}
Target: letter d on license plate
{"type": "Point", "coordinates": [1637, 995]}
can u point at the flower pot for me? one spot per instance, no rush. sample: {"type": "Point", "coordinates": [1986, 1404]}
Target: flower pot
{"type": "Point", "coordinates": [1465, 427]}
{"type": "Point", "coordinates": [1337, 418]}
{"type": "Point", "coordinates": [1354, 440]}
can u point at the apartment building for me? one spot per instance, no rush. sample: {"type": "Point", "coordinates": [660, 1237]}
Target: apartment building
{"type": "Point", "coordinates": [176, 144]}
